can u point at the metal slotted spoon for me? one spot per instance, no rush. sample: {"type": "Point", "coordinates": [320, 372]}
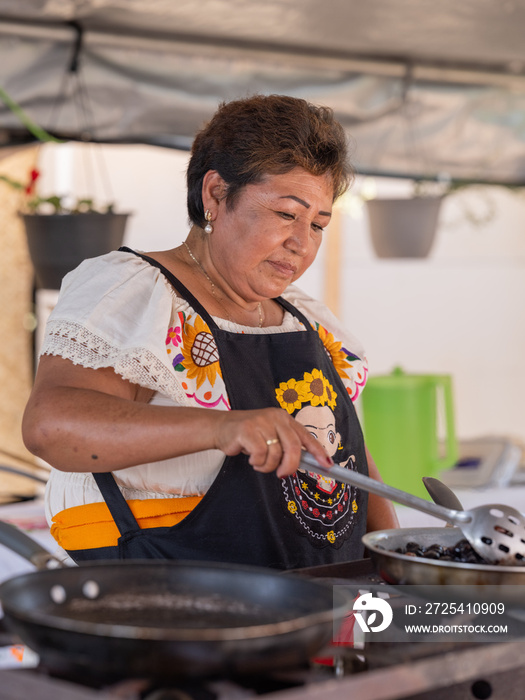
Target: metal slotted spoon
{"type": "Point", "coordinates": [496, 532]}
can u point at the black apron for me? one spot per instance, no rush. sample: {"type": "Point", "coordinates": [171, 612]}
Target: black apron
{"type": "Point", "coordinates": [251, 518]}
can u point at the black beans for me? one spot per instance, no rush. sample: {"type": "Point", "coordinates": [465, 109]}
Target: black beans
{"type": "Point", "coordinates": [460, 552]}
{"type": "Point", "coordinates": [412, 546]}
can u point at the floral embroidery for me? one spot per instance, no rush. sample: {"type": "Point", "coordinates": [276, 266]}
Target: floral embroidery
{"type": "Point", "coordinates": [330, 536]}
{"type": "Point", "coordinates": [333, 347]}
{"type": "Point", "coordinates": [174, 336]}
{"type": "Point", "coordinates": [313, 389]}
{"type": "Point", "coordinates": [317, 389]}
{"type": "Point", "coordinates": [193, 355]}
{"type": "Point", "coordinates": [201, 358]}
{"type": "Point", "coordinates": [352, 369]}
{"type": "Point", "coordinates": [290, 395]}
{"type": "Point", "coordinates": [292, 507]}
{"type": "Point", "coordinates": [354, 505]}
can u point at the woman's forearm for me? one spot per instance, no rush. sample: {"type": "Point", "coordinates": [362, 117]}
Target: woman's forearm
{"type": "Point", "coordinates": [88, 420]}
{"type": "Point", "coordinates": [85, 430]}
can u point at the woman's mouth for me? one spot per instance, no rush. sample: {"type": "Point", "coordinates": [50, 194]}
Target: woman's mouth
{"type": "Point", "coordinates": [284, 269]}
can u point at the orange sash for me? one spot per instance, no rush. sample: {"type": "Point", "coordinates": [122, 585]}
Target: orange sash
{"type": "Point", "coordinates": [91, 525]}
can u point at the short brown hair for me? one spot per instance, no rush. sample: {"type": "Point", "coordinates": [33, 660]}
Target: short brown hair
{"type": "Point", "coordinates": [249, 138]}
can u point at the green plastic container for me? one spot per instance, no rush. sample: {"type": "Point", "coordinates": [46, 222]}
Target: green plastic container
{"type": "Point", "coordinates": [408, 423]}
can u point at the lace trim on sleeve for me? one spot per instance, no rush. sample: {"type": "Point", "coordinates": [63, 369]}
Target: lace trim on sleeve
{"type": "Point", "coordinates": [74, 342]}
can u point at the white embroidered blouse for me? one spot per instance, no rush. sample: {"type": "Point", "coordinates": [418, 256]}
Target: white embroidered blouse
{"type": "Point", "coordinates": [119, 311]}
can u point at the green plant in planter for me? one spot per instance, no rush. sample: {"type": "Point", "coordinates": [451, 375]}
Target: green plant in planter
{"type": "Point", "coordinates": [53, 204]}
{"type": "Point", "coordinates": [60, 236]}
{"type": "Point", "coordinates": [60, 242]}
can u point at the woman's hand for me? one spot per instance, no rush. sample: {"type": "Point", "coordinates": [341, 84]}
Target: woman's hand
{"type": "Point", "coordinates": [271, 437]}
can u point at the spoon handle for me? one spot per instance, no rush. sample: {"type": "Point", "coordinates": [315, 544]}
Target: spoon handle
{"type": "Point", "coordinates": [349, 476]}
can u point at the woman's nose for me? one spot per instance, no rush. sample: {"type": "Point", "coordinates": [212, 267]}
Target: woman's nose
{"type": "Point", "coordinates": [299, 240]}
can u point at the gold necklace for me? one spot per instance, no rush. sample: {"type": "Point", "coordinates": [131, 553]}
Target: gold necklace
{"type": "Point", "coordinates": [212, 285]}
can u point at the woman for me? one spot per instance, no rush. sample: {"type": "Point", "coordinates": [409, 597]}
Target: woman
{"type": "Point", "coordinates": [168, 384]}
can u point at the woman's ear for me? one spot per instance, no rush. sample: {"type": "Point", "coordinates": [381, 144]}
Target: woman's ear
{"type": "Point", "coordinates": [214, 189]}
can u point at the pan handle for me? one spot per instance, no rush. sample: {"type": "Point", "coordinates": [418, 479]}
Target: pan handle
{"type": "Point", "coordinates": [23, 472]}
{"type": "Point", "coordinates": [354, 478]}
{"type": "Point", "coordinates": [17, 541]}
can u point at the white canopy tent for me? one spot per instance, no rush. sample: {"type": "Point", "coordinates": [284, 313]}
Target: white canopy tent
{"type": "Point", "coordinates": [423, 88]}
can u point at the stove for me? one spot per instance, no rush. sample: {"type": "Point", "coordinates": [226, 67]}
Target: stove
{"type": "Point", "coordinates": [364, 670]}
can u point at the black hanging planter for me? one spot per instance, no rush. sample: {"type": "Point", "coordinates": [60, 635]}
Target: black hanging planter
{"type": "Point", "coordinates": [60, 242]}
{"type": "Point", "coordinates": [403, 228]}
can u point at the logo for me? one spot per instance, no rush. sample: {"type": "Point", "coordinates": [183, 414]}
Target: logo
{"type": "Point", "coordinates": [366, 603]}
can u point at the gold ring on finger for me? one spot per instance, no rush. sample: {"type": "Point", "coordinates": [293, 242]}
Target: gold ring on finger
{"type": "Point", "coordinates": [272, 441]}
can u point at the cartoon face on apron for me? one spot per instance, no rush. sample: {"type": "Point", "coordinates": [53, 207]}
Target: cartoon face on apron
{"type": "Point", "coordinates": [251, 518]}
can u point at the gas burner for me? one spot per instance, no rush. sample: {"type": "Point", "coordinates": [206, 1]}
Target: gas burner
{"type": "Point", "coordinates": [186, 689]}
{"type": "Point", "coordinates": [217, 689]}
{"type": "Point", "coordinates": [176, 694]}
{"type": "Point", "coordinates": [184, 692]}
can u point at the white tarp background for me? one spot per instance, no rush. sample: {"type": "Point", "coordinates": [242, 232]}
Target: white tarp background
{"type": "Point", "coordinates": [422, 87]}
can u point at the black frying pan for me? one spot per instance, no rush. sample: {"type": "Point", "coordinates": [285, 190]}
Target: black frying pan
{"type": "Point", "coordinates": [167, 618]}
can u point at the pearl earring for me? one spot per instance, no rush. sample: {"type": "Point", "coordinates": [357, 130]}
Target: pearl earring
{"type": "Point", "coordinates": [208, 228]}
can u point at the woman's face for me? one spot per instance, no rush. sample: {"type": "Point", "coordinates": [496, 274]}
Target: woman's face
{"type": "Point", "coordinates": [272, 234]}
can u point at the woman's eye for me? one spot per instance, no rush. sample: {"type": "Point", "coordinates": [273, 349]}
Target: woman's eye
{"type": "Point", "coordinates": [331, 437]}
{"type": "Point", "coordinates": [286, 215]}
{"type": "Point", "coordinates": [318, 227]}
